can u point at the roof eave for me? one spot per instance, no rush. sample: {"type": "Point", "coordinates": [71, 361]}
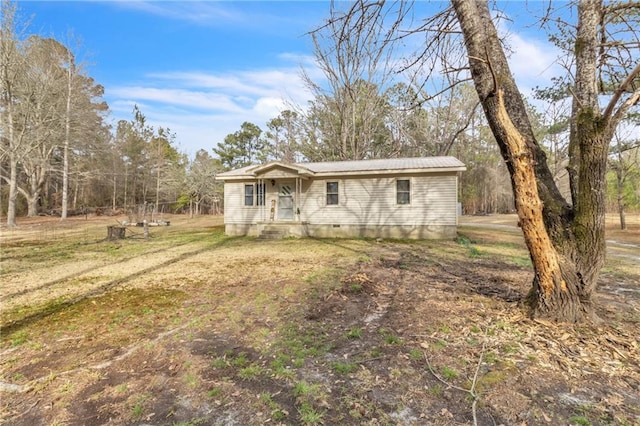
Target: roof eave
{"type": "Point", "coordinates": [391, 171]}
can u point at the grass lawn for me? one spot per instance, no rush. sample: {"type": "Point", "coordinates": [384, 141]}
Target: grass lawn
{"type": "Point", "coordinates": [193, 327]}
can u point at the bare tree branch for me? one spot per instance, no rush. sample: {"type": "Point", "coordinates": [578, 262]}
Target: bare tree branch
{"type": "Point", "coordinates": [631, 101]}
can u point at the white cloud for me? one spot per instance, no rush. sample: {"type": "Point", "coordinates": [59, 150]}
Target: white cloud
{"type": "Point", "coordinates": [533, 62]}
{"type": "Point", "coordinates": [257, 17]}
{"type": "Point", "coordinates": [178, 97]}
{"type": "Point", "coordinates": [268, 108]}
{"type": "Point", "coordinates": [202, 108]}
{"type": "Point", "coordinates": [196, 12]}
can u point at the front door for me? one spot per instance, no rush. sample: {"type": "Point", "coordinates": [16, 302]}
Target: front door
{"type": "Point", "coordinates": [285, 202]}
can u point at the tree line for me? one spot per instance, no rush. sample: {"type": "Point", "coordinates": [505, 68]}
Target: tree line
{"type": "Point", "coordinates": [59, 156]}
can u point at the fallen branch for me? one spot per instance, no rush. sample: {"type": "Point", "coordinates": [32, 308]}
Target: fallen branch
{"type": "Point", "coordinates": [472, 390]}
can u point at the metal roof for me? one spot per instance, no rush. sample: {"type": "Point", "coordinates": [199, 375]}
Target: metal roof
{"type": "Point", "coordinates": [376, 166]}
{"type": "Point", "coordinates": [390, 164]}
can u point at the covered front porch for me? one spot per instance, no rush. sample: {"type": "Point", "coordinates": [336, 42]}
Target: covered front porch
{"type": "Point", "coordinates": [279, 194]}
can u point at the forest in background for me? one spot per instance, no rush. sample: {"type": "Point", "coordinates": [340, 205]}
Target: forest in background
{"type": "Point", "coordinates": [60, 156]}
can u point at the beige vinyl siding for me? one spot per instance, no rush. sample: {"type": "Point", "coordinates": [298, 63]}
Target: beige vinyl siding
{"type": "Point", "coordinates": [234, 209]}
{"type": "Point", "coordinates": [372, 201]}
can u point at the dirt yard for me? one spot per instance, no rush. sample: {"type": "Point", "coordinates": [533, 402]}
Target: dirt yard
{"type": "Point", "coordinates": [191, 327]}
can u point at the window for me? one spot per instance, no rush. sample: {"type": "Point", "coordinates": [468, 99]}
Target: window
{"type": "Point", "coordinates": [260, 191]}
{"type": "Point", "coordinates": [332, 193]}
{"type": "Point", "coordinates": [403, 191]}
{"type": "Point", "coordinates": [248, 195]}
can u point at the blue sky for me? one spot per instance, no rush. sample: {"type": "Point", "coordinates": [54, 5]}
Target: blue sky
{"type": "Point", "coordinates": [203, 68]}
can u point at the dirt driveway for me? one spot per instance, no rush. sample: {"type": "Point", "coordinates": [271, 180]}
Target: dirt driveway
{"type": "Point", "coordinates": [624, 244]}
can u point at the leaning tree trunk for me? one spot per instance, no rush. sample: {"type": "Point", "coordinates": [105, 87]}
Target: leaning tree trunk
{"type": "Point", "coordinates": [566, 246]}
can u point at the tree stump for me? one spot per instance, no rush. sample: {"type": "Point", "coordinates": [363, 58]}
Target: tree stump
{"type": "Point", "coordinates": [116, 232]}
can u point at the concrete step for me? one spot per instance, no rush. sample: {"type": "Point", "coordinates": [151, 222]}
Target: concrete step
{"type": "Point", "coordinates": [272, 234]}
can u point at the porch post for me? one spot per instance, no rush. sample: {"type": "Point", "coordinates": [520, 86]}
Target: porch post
{"type": "Point", "coordinates": [260, 207]}
{"type": "Point", "coordinates": [298, 195]}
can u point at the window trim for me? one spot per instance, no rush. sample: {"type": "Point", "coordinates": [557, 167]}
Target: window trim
{"type": "Point", "coordinates": [336, 193]}
{"type": "Point", "coordinates": [399, 192]}
{"type": "Point", "coordinates": [249, 196]}
{"type": "Point", "coordinates": [261, 194]}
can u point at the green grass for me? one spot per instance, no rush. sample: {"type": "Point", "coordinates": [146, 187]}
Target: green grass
{"type": "Point", "coordinates": [389, 337]}
{"type": "Point", "coordinates": [308, 396]}
{"type": "Point", "coordinates": [19, 337]}
{"type": "Point", "coordinates": [416, 354]}
{"type": "Point", "coordinates": [309, 415]}
{"type": "Point", "coordinates": [435, 390]}
{"type": "Point", "coordinates": [354, 333]}
{"type": "Point", "coordinates": [240, 360]}
{"type": "Point", "coordinates": [490, 357]}
{"type": "Point", "coordinates": [277, 413]}
{"type": "Point", "coordinates": [138, 409]}
{"type": "Point", "coordinates": [304, 389]}
{"type": "Point", "coordinates": [191, 380]}
{"type": "Point", "coordinates": [193, 422]}
{"type": "Point", "coordinates": [300, 343]}
{"type": "Point", "coordinates": [355, 288]}
{"type": "Point", "coordinates": [472, 251]}
{"type": "Point", "coordinates": [440, 344]}
{"type": "Point", "coordinates": [250, 372]}
{"type": "Point", "coordinates": [219, 363]}
{"type": "Point", "coordinates": [344, 367]}
{"type": "Point", "coordinates": [393, 340]}
{"type": "Point", "coordinates": [579, 421]}
{"type": "Point", "coordinates": [449, 373]}
{"type": "Point", "coordinates": [509, 349]}
{"type": "Point", "coordinates": [128, 312]}
{"type": "Point", "coordinates": [214, 393]}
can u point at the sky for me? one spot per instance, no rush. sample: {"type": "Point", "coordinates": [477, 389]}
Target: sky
{"type": "Point", "coordinates": [202, 68]}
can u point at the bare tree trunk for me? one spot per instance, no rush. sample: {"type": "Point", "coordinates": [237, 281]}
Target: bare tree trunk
{"type": "Point", "coordinates": [32, 197]}
{"type": "Point", "coordinates": [558, 290]}
{"type": "Point", "coordinates": [36, 168]}
{"type": "Point", "coordinates": [76, 189]}
{"type": "Point", "coordinates": [115, 191]}
{"type": "Point", "coordinates": [566, 243]}
{"type": "Point", "coordinates": [8, 70]}
{"type": "Point", "coordinates": [67, 131]}
{"type": "Point", "coordinates": [13, 188]}
{"type": "Point", "coordinates": [620, 197]}
{"type": "Point", "coordinates": [158, 190]}
{"type": "Point", "coordinates": [126, 178]}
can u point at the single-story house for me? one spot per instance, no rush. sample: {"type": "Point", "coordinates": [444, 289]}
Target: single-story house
{"type": "Point", "coordinates": [386, 198]}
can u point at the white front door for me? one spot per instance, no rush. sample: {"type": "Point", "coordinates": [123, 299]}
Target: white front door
{"type": "Point", "coordinates": [285, 202]}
